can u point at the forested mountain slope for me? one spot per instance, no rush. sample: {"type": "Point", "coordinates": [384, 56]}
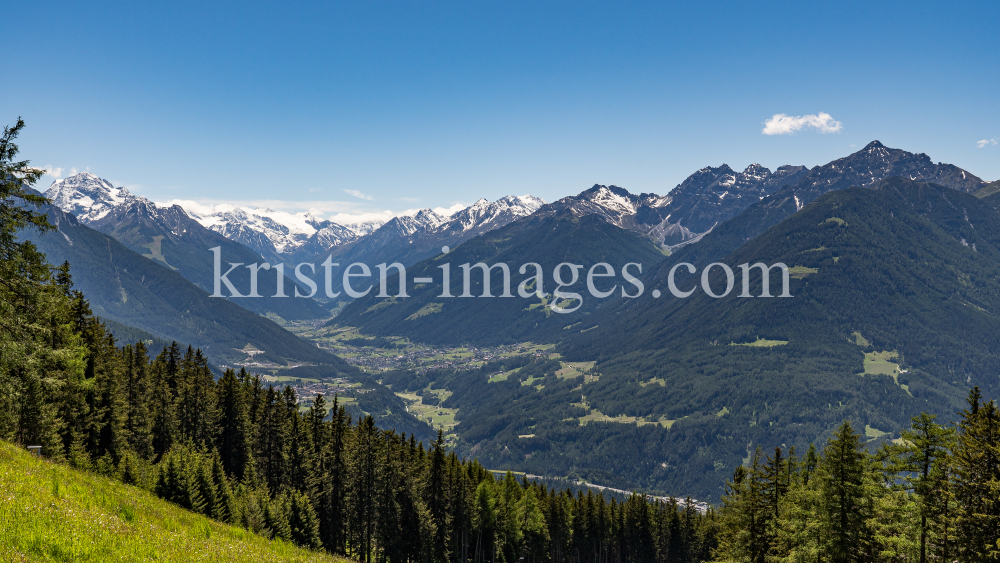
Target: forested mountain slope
{"type": "Point", "coordinates": [549, 240]}
{"type": "Point", "coordinates": [172, 237]}
{"type": "Point", "coordinates": [896, 310]}
{"type": "Point", "coordinates": [133, 290]}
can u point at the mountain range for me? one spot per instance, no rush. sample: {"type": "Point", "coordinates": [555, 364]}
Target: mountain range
{"type": "Point", "coordinates": [894, 261]}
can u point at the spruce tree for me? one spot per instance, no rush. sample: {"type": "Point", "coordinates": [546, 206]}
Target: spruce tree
{"type": "Point", "coordinates": [977, 480]}
{"type": "Point", "coordinates": [234, 440]}
{"type": "Point", "coordinates": [844, 466]}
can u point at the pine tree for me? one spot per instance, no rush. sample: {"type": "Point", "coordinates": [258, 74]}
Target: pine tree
{"type": "Point", "coordinates": [164, 376]}
{"type": "Point", "coordinates": [276, 515]}
{"type": "Point", "coordinates": [925, 451]}
{"type": "Point", "coordinates": [977, 480]}
{"type": "Point", "coordinates": [213, 505]}
{"type": "Point", "coordinates": [302, 521]}
{"type": "Point", "coordinates": [332, 509]}
{"type": "Point", "coordinates": [234, 440]}
{"type": "Point", "coordinates": [844, 467]}
{"type": "Point", "coordinates": [436, 497]}
{"type": "Point", "coordinates": [139, 426]}
{"type": "Point", "coordinates": [363, 490]}
{"type": "Point", "coordinates": [225, 509]}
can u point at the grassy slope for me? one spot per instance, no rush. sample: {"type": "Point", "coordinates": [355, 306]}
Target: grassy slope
{"type": "Point", "coordinates": [50, 512]}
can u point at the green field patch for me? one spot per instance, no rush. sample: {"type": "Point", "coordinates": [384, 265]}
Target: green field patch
{"type": "Point", "coordinates": [285, 379]}
{"type": "Point", "coordinates": [655, 381]}
{"type": "Point", "coordinates": [435, 415]}
{"type": "Point", "coordinates": [662, 421]}
{"type": "Point", "coordinates": [761, 343]}
{"type": "Point", "coordinates": [834, 220]}
{"type": "Point", "coordinates": [598, 416]}
{"type": "Point", "coordinates": [381, 305]}
{"type": "Point", "coordinates": [723, 412]}
{"type": "Point", "coordinates": [799, 272]}
{"type": "Point", "coordinates": [859, 340]}
{"type": "Point", "coordinates": [880, 363]}
{"type": "Point", "coordinates": [428, 309]}
{"type": "Point", "coordinates": [873, 433]}
{"type": "Point", "coordinates": [574, 369]}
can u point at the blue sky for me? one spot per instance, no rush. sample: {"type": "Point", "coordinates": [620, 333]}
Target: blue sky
{"type": "Point", "coordinates": [419, 104]}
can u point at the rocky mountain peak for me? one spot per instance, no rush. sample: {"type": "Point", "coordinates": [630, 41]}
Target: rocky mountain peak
{"type": "Point", "coordinates": [86, 196]}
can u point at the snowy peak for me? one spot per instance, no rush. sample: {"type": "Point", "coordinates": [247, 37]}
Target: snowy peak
{"type": "Point", "coordinates": [86, 196]}
{"type": "Point", "coordinates": [423, 221]}
{"type": "Point", "coordinates": [876, 162]}
{"type": "Point", "coordinates": [484, 215]}
{"type": "Point", "coordinates": [612, 198]}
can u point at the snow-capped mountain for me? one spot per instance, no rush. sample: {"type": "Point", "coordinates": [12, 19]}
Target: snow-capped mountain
{"type": "Point", "coordinates": [410, 239]}
{"type": "Point", "coordinates": [281, 236]}
{"type": "Point", "coordinates": [713, 195]}
{"type": "Point", "coordinates": [484, 216]}
{"type": "Point", "coordinates": [170, 236]}
{"type": "Point", "coordinates": [86, 196]}
{"type": "Point", "coordinates": [268, 231]}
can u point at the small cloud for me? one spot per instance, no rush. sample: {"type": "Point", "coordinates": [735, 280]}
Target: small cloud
{"type": "Point", "coordinates": [358, 194]}
{"type": "Point", "coordinates": [311, 190]}
{"type": "Point", "coordinates": [49, 170]}
{"type": "Point", "coordinates": [449, 211]}
{"type": "Point", "coordinates": [782, 124]}
{"type": "Point", "coordinates": [985, 142]}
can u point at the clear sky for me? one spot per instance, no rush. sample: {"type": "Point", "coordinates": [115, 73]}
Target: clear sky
{"type": "Point", "coordinates": [374, 105]}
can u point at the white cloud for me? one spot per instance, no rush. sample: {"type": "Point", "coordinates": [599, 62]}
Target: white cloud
{"type": "Point", "coordinates": [358, 194]}
{"type": "Point", "coordinates": [341, 212]}
{"type": "Point", "coordinates": [49, 170]}
{"type": "Point", "coordinates": [449, 211]}
{"type": "Point", "coordinates": [985, 142]}
{"type": "Point", "coordinates": [209, 206]}
{"type": "Point", "coordinates": [782, 124]}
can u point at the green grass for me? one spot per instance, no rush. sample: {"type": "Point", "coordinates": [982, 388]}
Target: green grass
{"type": "Point", "coordinates": [878, 363]}
{"type": "Point", "coordinates": [428, 309]}
{"type": "Point", "coordinates": [51, 512]}
{"type": "Point", "coordinates": [799, 272]}
{"type": "Point", "coordinates": [873, 433]}
{"type": "Point", "coordinates": [435, 415]}
{"type": "Point", "coordinates": [762, 343]}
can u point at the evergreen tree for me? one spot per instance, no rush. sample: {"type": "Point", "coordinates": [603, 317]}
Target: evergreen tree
{"type": "Point", "coordinates": [139, 427]}
{"type": "Point", "coordinates": [843, 490]}
{"type": "Point", "coordinates": [436, 497]}
{"type": "Point", "coordinates": [234, 439]}
{"type": "Point", "coordinates": [977, 481]}
{"type": "Point", "coordinates": [923, 456]}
